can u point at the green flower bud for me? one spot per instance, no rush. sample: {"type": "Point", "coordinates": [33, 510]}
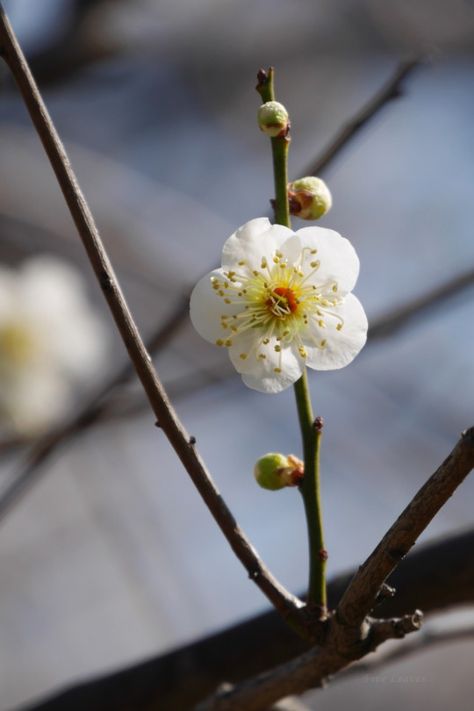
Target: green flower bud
{"type": "Point", "coordinates": [309, 198]}
{"type": "Point", "coordinates": [275, 471]}
{"type": "Point", "coordinates": [273, 119]}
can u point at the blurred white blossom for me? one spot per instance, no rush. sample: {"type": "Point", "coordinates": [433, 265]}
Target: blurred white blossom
{"type": "Point", "coordinates": [51, 340]}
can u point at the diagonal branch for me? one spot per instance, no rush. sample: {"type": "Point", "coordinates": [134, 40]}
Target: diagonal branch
{"type": "Point", "coordinates": [180, 440]}
{"type": "Point", "coordinates": [361, 595]}
{"type": "Point", "coordinates": [391, 90]}
{"type": "Point", "coordinates": [307, 671]}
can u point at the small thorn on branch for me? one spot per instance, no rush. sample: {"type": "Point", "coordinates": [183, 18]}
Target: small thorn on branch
{"type": "Point", "coordinates": [157, 424]}
{"type": "Point", "coordinates": [192, 440]}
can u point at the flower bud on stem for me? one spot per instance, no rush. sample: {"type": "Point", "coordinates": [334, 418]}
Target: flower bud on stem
{"type": "Point", "coordinates": [309, 198]}
{"type": "Point", "coordinates": [276, 471]}
{"type": "Point", "coordinates": [273, 119]}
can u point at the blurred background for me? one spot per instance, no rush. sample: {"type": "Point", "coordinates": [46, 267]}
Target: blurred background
{"type": "Point", "coordinates": [111, 556]}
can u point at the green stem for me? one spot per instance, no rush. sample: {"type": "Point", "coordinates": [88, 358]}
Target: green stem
{"type": "Point", "coordinates": [265, 84]}
{"type": "Point", "coordinates": [280, 148]}
{"type": "Point", "coordinates": [311, 434]}
{"type": "Point", "coordinates": [310, 491]}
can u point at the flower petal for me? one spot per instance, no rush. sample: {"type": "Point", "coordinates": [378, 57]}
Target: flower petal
{"type": "Point", "coordinates": [206, 308]}
{"type": "Point", "coordinates": [254, 240]}
{"type": "Point", "coordinates": [291, 249]}
{"type": "Point", "coordinates": [341, 347]}
{"type": "Point", "coordinates": [338, 261]}
{"type": "Point", "coordinates": [272, 373]}
{"type": "Point", "coordinates": [274, 383]}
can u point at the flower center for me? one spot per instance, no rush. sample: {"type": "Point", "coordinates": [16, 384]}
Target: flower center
{"type": "Point", "coordinates": [282, 302]}
{"type": "Point", "coordinates": [277, 305]}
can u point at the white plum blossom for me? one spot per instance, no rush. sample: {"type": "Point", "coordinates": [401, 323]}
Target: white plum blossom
{"type": "Point", "coordinates": [50, 341]}
{"type": "Point", "coordinates": [280, 301]}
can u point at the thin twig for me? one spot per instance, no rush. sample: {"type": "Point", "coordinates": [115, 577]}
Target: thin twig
{"type": "Point", "coordinates": [391, 90]}
{"type": "Point", "coordinates": [183, 445]}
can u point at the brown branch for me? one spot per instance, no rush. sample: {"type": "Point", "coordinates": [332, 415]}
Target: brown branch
{"type": "Point", "coordinates": [434, 577]}
{"type": "Point", "coordinates": [310, 669]}
{"type": "Point", "coordinates": [360, 597]}
{"type": "Point", "coordinates": [183, 445]}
